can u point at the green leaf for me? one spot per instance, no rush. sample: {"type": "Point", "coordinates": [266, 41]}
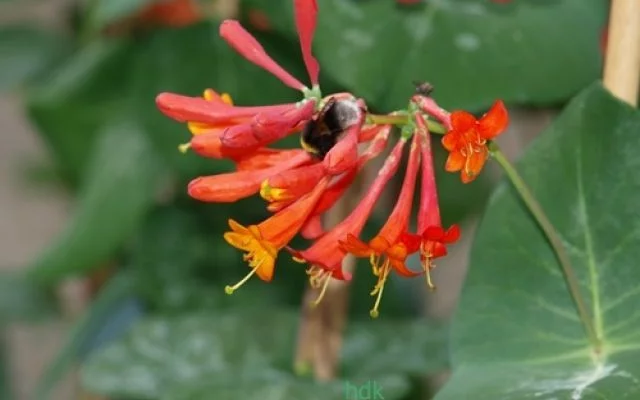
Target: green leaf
{"type": "Point", "coordinates": [516, 334]}
{"type": "Point", "coordinates": [204, 355]}
{"type": "Point", "coordinates": [116, 289]}
{"type": "Point", "coordinates": [21, 299]}
{"type": "Point", "coordinates": [78, 100]}
{"type": "Point", "coordinates": [26, 52]}
{"type": "Point", "coordinates": [118, 190]}
{"type": "Point", "coordinates": [473, 52]}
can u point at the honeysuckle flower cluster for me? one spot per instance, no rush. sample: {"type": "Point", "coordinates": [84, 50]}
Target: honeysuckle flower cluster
{"type": "Point", "coordinates": [338, 139]}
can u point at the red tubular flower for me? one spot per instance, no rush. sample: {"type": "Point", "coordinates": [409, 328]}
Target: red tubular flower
{"type": "Point", "coordinates": [387, 251]}
{"type": "Point", "coordinates": [263, 129]}
{"type": "Point", "coordinates": [233, 186]}
{"type": "Point", "coordinates": [262, 242]}
{"type": "Point", "coordinates": [432, 238]}
{"type": "Point", "coordinates": [265, 157]}
{"type": "Point", "coordinates": [428, 105]}
{"type": "Point", "coordinates": [292, 184]}
{"type": "Point", "coordinates": [338, 188]}
{"type": "Point", "coordinates": [467, 140]}
{"type": "Point", "coordinates": [213, 112]}
{"type": "Point", "coordinates": [312, 229]}
{"type": "Point", "coordinates": [248, 47]}
{"type": "Point", "coordinates": [266, 128]}
{"type": "Point", "coordinates": [325, 255]}
{"type": "Point", "coordinates": [306, 15]}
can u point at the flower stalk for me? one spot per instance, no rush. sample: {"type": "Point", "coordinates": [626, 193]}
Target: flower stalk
{"type": "Point", "coordinates": [401, 119]}
{"type": "Point", "coordinates": [554, 240]}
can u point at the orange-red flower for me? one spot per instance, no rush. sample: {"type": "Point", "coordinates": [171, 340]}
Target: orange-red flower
{"type": "Point", "coordinates": [262, 242]}
{"type": "Point", "coordinates": [233, 186]}
{"type": "Point", "coordinates": [467, 140]}
{"type": "Point", "coordinates": [431, 239]}
{"type": "Point", "coordinates": [387, 250]}
{"type": "Point", "coordinates": [326, 254]}
{"type": "Point", "coordinates": [224, 131]}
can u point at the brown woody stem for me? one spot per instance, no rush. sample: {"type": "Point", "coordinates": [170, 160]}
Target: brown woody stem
{"type": "Point", "coordinates": [622, 59]}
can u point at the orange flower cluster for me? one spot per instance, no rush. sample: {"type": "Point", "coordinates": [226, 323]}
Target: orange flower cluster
{"type": "Point", "coordinates": [339, 138]}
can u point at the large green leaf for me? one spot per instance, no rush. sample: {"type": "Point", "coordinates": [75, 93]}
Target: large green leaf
{"type": "Point", "coordinates": [118, 190]}
{"type": "Point", "coordinates": [80, 97]}
{"type": "Point", "coordinates": [28, 51]}
{"type": "Point", "coordinates": [248, 354]}
{"type": "Point", "coordinates": [516, 334]}
{"type": "Point", "coordinates": [473, 51]}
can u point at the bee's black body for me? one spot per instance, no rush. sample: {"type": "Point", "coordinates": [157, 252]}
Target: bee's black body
{"type": "Point", "coordinates": [322, 133]}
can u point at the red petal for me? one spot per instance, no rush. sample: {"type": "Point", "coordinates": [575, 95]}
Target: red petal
{"type": "Point", "coordinates": [265, 158]}
{"type": "Point", "coordinates": [312, 229]}
{"type": "Point", "coordinates": [280, 228]}
{"type": "Point", "coordinates": [475, 162]}
{"type": "Point", "coordinates": [306, 18]}
{"type": "Point", "coordinates": [438, 250]}
{"type": "Point", "coordinates": [266, 128]}
{"type": "Point", "coordinates": [210, 145]}
{"type": "Point", "coordinates": [355, 246]}
{"type": "Point", "coordinates": [368, 133]}
{"type": "Point", "coordinates": [494, 122]}
{"type": "Point", "coordinates": [344, 155]}
{"type": "Point", "coordinates": [452, 234]}
{"type": "Point", "coordinates": [429, 209]}
{"type": "Point", "coordinates": [462, 121]}
{"type": "Point", "coordinates": [455, 162]}
{"type": "Point", "coordinates": [298, 181]}
{"type": "Point", "coordinates": [245, 44]}
{"type": "Point", "coordinates": [233, 186]}
{"type": "Point", "coordinates": [401, 269]}
{"type": "Point", "coordinates": [452, 141]}
{"type": "Point", "coordinates": [433, 233]}
{"type": "Point", "coordinates": [411, 242]}
{"type": "Point", "coordinates": [196, 109]}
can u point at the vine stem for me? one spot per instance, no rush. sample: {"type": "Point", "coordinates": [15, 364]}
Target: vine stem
{"type": "Point", "coordinates": [402, 119]}
{"type": "Point", "coordinates": [622, 59]}
{"type": "Point", "coordinates": [555, 241]}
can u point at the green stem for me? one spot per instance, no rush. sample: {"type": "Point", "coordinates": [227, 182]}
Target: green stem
{"type": "Point", "coordinates": [555, 241]}
{"type": "Point", "coordinates": [403, 119]}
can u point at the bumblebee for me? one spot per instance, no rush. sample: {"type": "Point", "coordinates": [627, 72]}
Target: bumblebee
{"type": "Point", "coordinates": [321, 133]}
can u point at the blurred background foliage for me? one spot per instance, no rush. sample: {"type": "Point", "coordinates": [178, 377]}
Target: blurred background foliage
{"type": "Point", "coordinates": [89, 90]}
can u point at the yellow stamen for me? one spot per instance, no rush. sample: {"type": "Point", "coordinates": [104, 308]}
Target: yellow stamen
{"type": "Point", "coordinates": [467, 161]}
{"type": "Point", "coordinates": [227, 98]}
{"type": "Point", "coordinates": [184, 147]}
{"type": "Point", "coordinates": [230, 289]}
{"type": "Point", "coordinates": [271, 194]}
{"type": "Point", "coordinates": [430, 284]}
{"type": "Point", "coordinates": [374, 260]}
{"type": "Point", "coordinates": [427, 266]}
{"type": "Point", "coordinates": [379, 288]}
{"type": "Point", "coordinates": [327, 279]}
